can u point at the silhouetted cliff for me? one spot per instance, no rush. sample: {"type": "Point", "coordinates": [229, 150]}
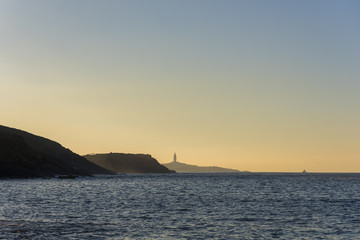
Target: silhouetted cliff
{"type": "Point", "coordinates": [24, 155]}
{"type": "Point", "coordinates": [128, 163]}
{"type": "Point", "coordinates": [187, 168]}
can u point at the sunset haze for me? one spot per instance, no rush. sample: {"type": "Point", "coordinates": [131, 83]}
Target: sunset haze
{"type": "Point", "coordinates": [262, 86]}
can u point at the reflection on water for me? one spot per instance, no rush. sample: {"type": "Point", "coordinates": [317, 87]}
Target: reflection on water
{"type": "Point", "coordinates": [183, 206]}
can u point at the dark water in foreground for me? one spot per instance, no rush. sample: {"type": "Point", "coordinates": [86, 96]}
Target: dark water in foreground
{"type": "Point", "coordinates": [183, 206]}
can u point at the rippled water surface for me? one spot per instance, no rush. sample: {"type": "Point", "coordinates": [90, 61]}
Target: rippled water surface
{"type": "Point", "coordinates": [183, 206]}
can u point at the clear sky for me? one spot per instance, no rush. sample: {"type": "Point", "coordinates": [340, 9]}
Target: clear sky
{"type": "Point", "coordinates": [268, 85]}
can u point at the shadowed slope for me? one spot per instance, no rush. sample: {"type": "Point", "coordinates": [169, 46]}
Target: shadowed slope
{"type": "Point", "coordinates": [24, 155]}
{"type": "Point", "coordinates": [128, 163]}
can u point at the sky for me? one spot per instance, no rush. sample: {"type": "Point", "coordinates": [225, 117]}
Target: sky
{"type": "Point", "coordinates": [257, 85]}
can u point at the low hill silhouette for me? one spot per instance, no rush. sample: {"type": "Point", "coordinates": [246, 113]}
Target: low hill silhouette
{"type": "Point", "coordinates": [24, 155]}
{"type": "Point", "coordinates": [128, 163]}
{"type": "Point", "coordinates": [187, 168]}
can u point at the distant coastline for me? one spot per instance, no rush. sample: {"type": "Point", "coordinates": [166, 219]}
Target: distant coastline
{"type": "Point", "coordinates": [188, 168]}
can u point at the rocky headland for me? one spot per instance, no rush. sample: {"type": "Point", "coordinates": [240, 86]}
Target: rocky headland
{"type": "Point", "coordinates": [24, 155]}
{"type": "Point", "coordinates": [128, 163]}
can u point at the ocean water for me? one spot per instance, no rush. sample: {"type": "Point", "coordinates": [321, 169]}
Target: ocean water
{"type": "Point", "coordinates": [183, 206]}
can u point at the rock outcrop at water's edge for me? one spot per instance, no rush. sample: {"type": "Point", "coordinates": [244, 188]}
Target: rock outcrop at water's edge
{"type": "Point", "coordinates": [24, 155]}
{"type": "Point", "coordinates": [128, 163]}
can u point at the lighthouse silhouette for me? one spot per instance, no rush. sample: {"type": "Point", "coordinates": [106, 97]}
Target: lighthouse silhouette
{"type": "Point", "coordinates": [174, 157]}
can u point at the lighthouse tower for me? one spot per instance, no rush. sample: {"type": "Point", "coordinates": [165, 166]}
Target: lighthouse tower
{"type": "Point", "coordinates": [174, 157]}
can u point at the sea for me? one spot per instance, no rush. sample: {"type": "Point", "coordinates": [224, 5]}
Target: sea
{"type": "Point", "coordinates": [183, 206]}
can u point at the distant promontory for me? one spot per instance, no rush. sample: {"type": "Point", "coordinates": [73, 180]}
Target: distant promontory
{"type": "Point", "coordinates": [24, 155]}
{"type": "Point", "coordinates": [187, 168]}
{"type": "Point", "coordinates": [128, 163]}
